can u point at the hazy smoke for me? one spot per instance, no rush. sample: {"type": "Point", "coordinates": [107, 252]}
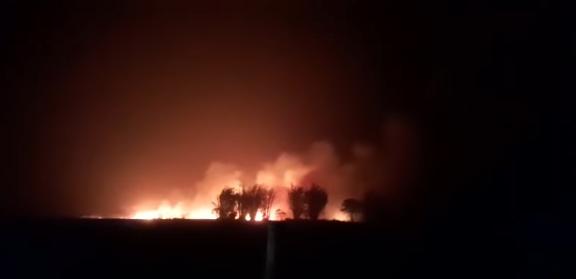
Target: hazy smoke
{"type": "Point", "coordinates": [319, 164]}
{"type": "Point", "coordinates": [349, 173]}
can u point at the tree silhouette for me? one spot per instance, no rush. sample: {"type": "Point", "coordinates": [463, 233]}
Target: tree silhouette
{"type": "Point", "coordinates": [297, 202]}
{"type": "Point", "coordinates": [353, 207]}
{"type": "Point", "coordinates": [243, 201]}
{"type": "Point", "coordinates": [226, 205]}
{"type": "Point", "coordinates": [315, 199]}
{"type": "Point", "coordinates": [269, 196]}
{"type": "Point", "coordinates": [250, 200]}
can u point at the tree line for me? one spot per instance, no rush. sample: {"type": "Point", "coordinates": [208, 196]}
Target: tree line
{"type": "Point", "coordinates": [245, 204]}
{"type": "Point", "coordinates": [304, 203]}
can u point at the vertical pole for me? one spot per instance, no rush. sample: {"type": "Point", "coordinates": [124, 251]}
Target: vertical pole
{"type": "Point", "coordinates": [270, 252]}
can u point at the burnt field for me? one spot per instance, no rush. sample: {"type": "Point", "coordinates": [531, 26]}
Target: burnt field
{"type": "Point", "coordinates": [96, 248]}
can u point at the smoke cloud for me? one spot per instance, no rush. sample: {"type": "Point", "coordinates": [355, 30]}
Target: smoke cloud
{"type": "Point", "coordinates": [348, 174]}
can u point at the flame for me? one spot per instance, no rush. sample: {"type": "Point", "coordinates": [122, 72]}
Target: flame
{"type": "Point", "coordinates": [201, 213]}
{"type": "Point", "coordinates": [178, 211]}
{"type": "Point", "coordinates": [281, 174]}
{"type": "Point", "coordinates": [286, 171]}
{"type": "Point", "coordinates": [259, 216]}
{"type": "Point", "coordinates": [340, 216]}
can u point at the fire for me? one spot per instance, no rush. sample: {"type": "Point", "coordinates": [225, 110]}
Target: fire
{"type": "Point", "coordinates": [340, 216]}
{"type": "Point", "coordinates": [201, 213]}
{"type": "Point", "coordinates": [259, 216]}
{"type": "Point", "coordinates": [284, 173]}
{"type": "Point", "coordinates": [178, 211]}
{"type": "Point", "coordinates": [167, 210]}
{"type": "Point", "coordinates": [280, 175]}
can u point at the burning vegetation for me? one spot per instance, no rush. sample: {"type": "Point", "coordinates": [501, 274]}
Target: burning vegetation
{"type": "Point", "coordinates": [319, 183]}
{"type": "Point", "coordinates": [250, 204]}
{"type": "Point", "coordinates": [255, 203]}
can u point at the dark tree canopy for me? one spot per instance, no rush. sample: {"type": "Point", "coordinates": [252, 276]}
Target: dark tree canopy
{"type": "Point", "coordinates": [266, 207]}
{"type": "Point", "coordinates": [226, 204]}
{"type": "Point", "coordinates": [315, 199]}
{"type": "Point", "coordinates": [244, 205]}
{"type": "Point", "coordinates": [250, 200]}
{"type": "Point", "coordinates": [297, 202]}
{"type": "Point", "coordinates": [353, 208]}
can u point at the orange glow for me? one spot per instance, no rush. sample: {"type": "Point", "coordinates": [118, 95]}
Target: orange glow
{"type": "Point", "coordinates": [201, 213]}
{"type": "Point", "coordinates": [340, 216]}
{"type": "Point", "coordinates": [177, 211]}
{"type": "Point", "coordinates": [286, 171]}
{"type": "Point", "coordinates": [259, 216]}
{"type": "Point", "coordinates": [168, 211]}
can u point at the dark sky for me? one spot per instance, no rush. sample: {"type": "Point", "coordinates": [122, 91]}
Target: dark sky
{"type": "Point", "coordinates": [91, 90]}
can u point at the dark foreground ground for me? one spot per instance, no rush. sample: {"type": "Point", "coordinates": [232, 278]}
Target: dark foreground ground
{"type": "Point", "coordinates": [208, 249]}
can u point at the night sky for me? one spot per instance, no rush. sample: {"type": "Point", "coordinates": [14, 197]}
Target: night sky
{"type": "Point", "coordinates": [98, 94]}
